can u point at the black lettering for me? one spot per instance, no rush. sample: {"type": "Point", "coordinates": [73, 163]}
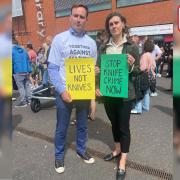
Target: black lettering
{"type": "Point", "coordinates": [88, 68]}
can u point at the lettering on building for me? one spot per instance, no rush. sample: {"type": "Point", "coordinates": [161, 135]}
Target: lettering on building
{"type": "Point", "coordinates": [40, 19]}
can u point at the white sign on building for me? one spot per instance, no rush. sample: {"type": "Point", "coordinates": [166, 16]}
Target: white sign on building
{"type": "Point", "coordinates": [152, 30]}
{"type": "Point", "coordinates": [178, 20]}
{"type": "Point", "coordinates": [17, 8]}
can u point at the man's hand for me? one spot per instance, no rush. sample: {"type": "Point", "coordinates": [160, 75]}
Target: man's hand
{"type": "Point", "coordinates": [131, 59]}
{"type": "Point", "coordinates": [66, 97]}
{"type": "Point", "coordinates": [98, 93]}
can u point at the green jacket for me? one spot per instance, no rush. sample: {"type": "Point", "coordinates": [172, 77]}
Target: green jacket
{"type": "Point", "coordinates": [128, 48]}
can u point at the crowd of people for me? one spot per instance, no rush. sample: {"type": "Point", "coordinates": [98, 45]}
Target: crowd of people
{"type": "Point", "coordinates": [29, 68]}
{"type": "Point", "coordinates": [145, 63]}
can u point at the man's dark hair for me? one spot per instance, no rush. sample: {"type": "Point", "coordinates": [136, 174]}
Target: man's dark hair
{"type": "Point", "coordinates": [148, 46]}
{"type": "Point", "coordinates": [14, 41]}
{"type": "Point", "coordinates": [122, 18]}
{"type": "Point", "coordinates": [29, 46]}
{"type": "Point", "coordinates": [80, 5]}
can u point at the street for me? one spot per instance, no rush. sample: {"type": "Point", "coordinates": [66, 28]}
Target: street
{"type": "Point", "coordinates": [151, 149]}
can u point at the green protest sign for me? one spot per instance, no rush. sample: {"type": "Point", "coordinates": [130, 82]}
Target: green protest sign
{"type": "Point", "coordinates": [114, 75]}
{"type": "Point", "coordinates": [176, 81]}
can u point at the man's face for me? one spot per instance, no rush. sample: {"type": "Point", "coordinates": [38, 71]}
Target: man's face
{"type": "Point", "coordinates": [78, 19]}
{"type": "Point", "coordinates": [135, 39]}
{"type": "Point", "coordinates": [48, 40]}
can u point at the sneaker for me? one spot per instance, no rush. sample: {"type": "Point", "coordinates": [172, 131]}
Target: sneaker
{"type": "Point", "coordinates": [59, 166]}
{"type": "Point", "coordinates": [86, 157]}
{"type": "Point", "coordinates": [134, 111]}
{"type": "Point", "coordinates": [21, 104]}
{"type": "Point", "coordinates": [13, 99]}
{"type": "Point", "coordinates": [28, 101]}
{"type": "Point", "coordinates": [158, 75]}
{"type": "Point", "coordinates": [73, 122]}
{"type": "Point", "coordinates": [154, 94]}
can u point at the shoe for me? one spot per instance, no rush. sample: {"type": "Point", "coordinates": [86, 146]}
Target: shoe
{"type": "Point", "coordinates": [13, 99]}
{"type": "Point", "coordinates": [28, 101]}
{"type": "Point", "coordinates": [134, 111]}
{"type": "Point", "coordinates": [59, 166]}
{"type": "Point", "coordinates": [110, 157]}
{"type": "Point", "coordinates": [21, 104]}
{"type": "Point", "coordinates": [120, 175]}
{"type": "Point", "coordinates": [86, 157]}
{"type": "Point", "coordinates": [73, 122]}
{"type": "Point", "coordinates": [158, 75]}
{"type": "Point", "coordinates": [154, 94]}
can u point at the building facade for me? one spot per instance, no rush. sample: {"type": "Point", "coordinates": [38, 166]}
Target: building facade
{"type": "Point", "coordinates": [33, 20]}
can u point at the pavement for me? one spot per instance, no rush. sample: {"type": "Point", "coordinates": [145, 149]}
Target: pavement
{"type": "Point", "coordinates": [150, 152]}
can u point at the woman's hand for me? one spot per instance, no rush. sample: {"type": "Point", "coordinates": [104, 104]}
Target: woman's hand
{"type": "Point", "coordinates": [97, 70]}
{"type": "Point", "coordinates": [98, 93]}
{"type": "Point", "coordinates": [131, 59]}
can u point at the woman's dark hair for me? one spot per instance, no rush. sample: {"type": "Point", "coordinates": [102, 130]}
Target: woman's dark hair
{"type": "Point", "coordinates": [122, 18]}
{"type": "Point", "coordinates": [148, 46]}
{"type": "Point", "coordinates": [29, 46]}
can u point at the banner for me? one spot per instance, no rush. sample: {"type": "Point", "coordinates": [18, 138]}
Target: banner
{"type": "Point", "coordinates": [80, 78]}
{"type": "Point", "coordinates": [6, 77]}
{"type": "Point", "coordinates": [176, 81]}
{"type": "Point", "coordinates": [114, 75]}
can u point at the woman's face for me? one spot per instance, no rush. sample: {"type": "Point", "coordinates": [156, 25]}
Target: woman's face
{"type": "Point", "coordinates": [116, 26]}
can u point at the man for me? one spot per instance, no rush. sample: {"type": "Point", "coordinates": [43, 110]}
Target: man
{"type": "Point", "coordinates": [136, 40]}
{"type": "Point", "coordinates": [156, 53]}
{"type": "Point", "coordinates": [47, 47]}
{"type": "Point", "coordinates": [21, 71]}
{"type": "Point", "coordinates": [73, 43]}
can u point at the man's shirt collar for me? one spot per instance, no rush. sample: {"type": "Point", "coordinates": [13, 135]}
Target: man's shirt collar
{"type": "Point", "coordinates": [75, 33]}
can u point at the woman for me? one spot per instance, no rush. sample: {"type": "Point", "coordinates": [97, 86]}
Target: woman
{"type": "Point", "coordinates": [148, 65]}
{"type": "Point", "coordinates": [32, 56]}
{"type": "Point", "coordinates": [118, 109]}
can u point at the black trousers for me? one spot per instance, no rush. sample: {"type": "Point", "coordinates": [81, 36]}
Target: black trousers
{"type": "Point", "coordinates": [118, 112]}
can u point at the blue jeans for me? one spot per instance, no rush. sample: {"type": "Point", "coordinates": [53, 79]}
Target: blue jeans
{"type": "Point", "coordinates": [45, 77]}
{"type": "Point", "coordinates": [144, 103]}
{"type": "Point", "coordinates": [23, 82]}
{"type": "Point", "coordinates": [63, 119]}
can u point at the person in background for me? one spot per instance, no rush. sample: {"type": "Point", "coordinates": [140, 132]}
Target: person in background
{"type": "Point", "coordinates": [5, 81]}
{"type": "Point", "coordinates": [47, 47]}
{"type": "Point", "coordinates": [98, 40]}
{"type": "Point", "coordinates": [156, 53]}
{"type": "Point", "coordinates": [170, 62]}
{"type": "Point", "coordinates": [147, 65]}
{"type": "Point", "coordinates": [162, 61]}
{"type": "Point", "coordinates": [32, 56]}
{"type": "Point", "coordinates": [104, 37]}
{"type": "Point", "coordinates": [21, 69]}
{"type": "Point", "coordinates": [40, 59]}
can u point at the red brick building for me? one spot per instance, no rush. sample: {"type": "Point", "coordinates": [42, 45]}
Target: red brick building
{"type": "Point", "coordinates": [40, 18]}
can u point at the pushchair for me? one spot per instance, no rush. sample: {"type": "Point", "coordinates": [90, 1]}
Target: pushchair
{"type": "Point", "coordinates": [42, 92]}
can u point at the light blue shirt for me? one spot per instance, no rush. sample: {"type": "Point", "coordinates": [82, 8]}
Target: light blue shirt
{"type": "Point", "coordinates": [68, 44]}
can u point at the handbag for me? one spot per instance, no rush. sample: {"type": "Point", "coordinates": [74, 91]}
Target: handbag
{"type": "Point", "coordinates": [152, 82]}
{"type": "Point", "coordinates": [141, 84]}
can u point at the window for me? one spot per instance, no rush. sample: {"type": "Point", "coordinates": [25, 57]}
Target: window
{"type": "Point", "coordinates": [17, 8]}
{"type": "Point", "coordinates": [122, 3]}
{"type": "Point", "coordinates": [63, 7]}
